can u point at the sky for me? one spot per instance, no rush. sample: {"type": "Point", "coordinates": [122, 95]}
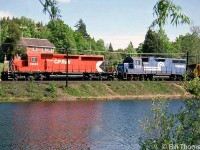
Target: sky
{"type": "Point", "coordinates": [115, 21]}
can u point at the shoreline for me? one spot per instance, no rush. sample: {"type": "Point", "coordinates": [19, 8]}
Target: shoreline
{"type": "Point", "coordinates": [134, 97]}
{"type": "Point", "coordinates": [106, 98]}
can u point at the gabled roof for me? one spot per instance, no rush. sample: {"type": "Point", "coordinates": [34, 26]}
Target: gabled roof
{"type": "Point", "coordinates": [35, 42]}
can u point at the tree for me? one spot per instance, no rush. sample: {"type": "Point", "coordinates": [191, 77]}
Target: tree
{"type": "Point", "coordinates": [51, 7]}
{"type": "Point", "coordinates": [4, 28]}
{"type": "Point", "coordinates": [156, 42]}
{"type": "Point", "coordinates": [81, 28]}
{"type": "Point", "coordinates": [45, 33]}
{"type": "Point", "coordinates": [10, 43]}
{"type": "Point", "coordinates": [110, 48]}
{"type": "Point", "coordinates": [139, 48]}
{"type": "Point", "coordinates": [27, 27]}
{"type": "Point", "coordinates": [100, 45]}
{"type": "Point", "coordinates": [81, 42]}
{"type": "Point", "coordinates": [164, 9]}
{"type": "Point", "coordinates": [130, 49]}
{"type": "Point", "coordinates": [61, 35]}
{"type": "Point", "coordinates": [189, 43]}
{"type": "Point", "coordinates": [93, 45]}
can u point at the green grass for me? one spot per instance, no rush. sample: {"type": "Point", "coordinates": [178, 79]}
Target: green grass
{"type": "Point", "coordinates": [87, 89]}
{"type": "Point", "coordinates": [29, 91]}
{"type": "Point", "coordinates": [33, 91]}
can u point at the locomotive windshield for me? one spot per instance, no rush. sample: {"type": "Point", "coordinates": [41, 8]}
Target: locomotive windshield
{"type": "Point", "coordinates": [24, 56]}
{"type": "Point", "coordinates": [128, 60]}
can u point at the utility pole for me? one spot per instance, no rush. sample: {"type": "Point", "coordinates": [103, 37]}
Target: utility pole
{"type": "Point", "coordinates": [67, 68]}
{"type": "Point", "coordinates": [187, 61]}
{"type": "Point", "coordinates": [0, 31]}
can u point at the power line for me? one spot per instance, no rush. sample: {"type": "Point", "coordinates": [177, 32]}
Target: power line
{"type": "Point", "coordinates": [124, 52]}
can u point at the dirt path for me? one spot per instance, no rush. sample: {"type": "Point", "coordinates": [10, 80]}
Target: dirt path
{"type": "Point", "coordinates": [137, 97]}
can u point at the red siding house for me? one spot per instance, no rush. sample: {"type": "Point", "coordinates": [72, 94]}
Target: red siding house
{"type": "Point", "coordinates": [34, 45]}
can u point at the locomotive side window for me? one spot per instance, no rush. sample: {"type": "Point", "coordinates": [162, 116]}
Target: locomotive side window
{"type": "Point", "coordinates": [182, 61]}
{"type": "Point", "coordinates": [137, 62]}
{"type": "Point", "coordinates": [179, 61]}
{"type": "Point", "coordinates": [175, 61]}
{"type": "Point", "coordinates": [33, 59]}
{"type": "Point", "coordinates": [160, 60]}
{"type": "Point", "coordinates": [145, 59]}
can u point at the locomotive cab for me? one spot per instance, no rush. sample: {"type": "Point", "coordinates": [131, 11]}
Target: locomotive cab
{"type": "Point", "coordinates": [26, 63]}
{"type": "Point", "coordinates": [26, 67]}
{"type": "Point", "coordinates": [133, 65]}
{"type": "Point", "coordinates": [130, 68]}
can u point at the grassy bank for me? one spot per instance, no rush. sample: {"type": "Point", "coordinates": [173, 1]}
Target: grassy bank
{"type": "Point", "coordinates": [56, 91]}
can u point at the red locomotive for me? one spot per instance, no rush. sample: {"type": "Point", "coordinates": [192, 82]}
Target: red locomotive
{"type": "Point", "coordinates": [43, 65]}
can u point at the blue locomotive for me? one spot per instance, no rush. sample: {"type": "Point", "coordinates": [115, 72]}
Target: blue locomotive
{"type": "Point", "coordinates": [144, 68]}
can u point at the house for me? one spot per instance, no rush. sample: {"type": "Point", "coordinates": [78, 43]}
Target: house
{"type": "Point", "coordinates": [34, 45]}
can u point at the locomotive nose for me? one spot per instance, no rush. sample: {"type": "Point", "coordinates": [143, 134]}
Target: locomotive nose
{"type": "Point", "coordinates": [100, 66]}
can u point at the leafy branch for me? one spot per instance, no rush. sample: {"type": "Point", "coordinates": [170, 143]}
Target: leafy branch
{"type": "Point", "coordinates": [50, 6]}
{"type": "Point", "coordinates": [165, 9]}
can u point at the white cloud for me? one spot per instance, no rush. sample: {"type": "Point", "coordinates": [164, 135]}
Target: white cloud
{"type": "Point", "coordinates": [5, 14]}
{"type": "Point", "coordinates": [64, 1]}
{"type": "Point", "coordinates": [120, 41]}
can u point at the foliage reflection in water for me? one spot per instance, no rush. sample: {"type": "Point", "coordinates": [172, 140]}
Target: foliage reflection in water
{"type": "Point", "coordinates": [73, 125]}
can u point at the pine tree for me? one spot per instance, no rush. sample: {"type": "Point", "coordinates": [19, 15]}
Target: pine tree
{"type": "Point", "coordinates": [81, 28]}
{"type": "Point", "coordinates": [110, 48]}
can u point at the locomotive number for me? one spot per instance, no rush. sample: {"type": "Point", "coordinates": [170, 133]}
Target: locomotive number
{"type": "Point", "coordinates": [34, 64]}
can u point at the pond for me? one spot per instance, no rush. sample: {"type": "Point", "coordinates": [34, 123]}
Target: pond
{"type": "Point", "coordinates": [98, 125]}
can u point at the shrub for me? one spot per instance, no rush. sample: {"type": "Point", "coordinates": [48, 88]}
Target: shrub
{"type": "Point", "coordinates": [164, 129]}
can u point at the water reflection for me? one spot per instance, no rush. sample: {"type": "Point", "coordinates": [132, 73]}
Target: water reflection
{"type": "Point", "coordinates": [72, 125]}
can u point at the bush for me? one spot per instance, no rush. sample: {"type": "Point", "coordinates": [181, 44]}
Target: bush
{"type": "Point", "coordinates": [164, 129]}
{"type": "Point", "coordinates": [193, 87]}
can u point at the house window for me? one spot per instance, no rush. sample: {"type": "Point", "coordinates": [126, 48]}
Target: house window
{"type": "Point", "coordinates": [34, 48]}
{"type": "Point", "coordinates": [49, 49]}
{"type": "Point", "coordinates": [43, 49]}
{"type": "Point", "coordinates": [33, 59]}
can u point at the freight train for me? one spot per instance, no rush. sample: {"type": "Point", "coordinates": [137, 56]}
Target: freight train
{"type": "Point", "coordinates": [89, 67]}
